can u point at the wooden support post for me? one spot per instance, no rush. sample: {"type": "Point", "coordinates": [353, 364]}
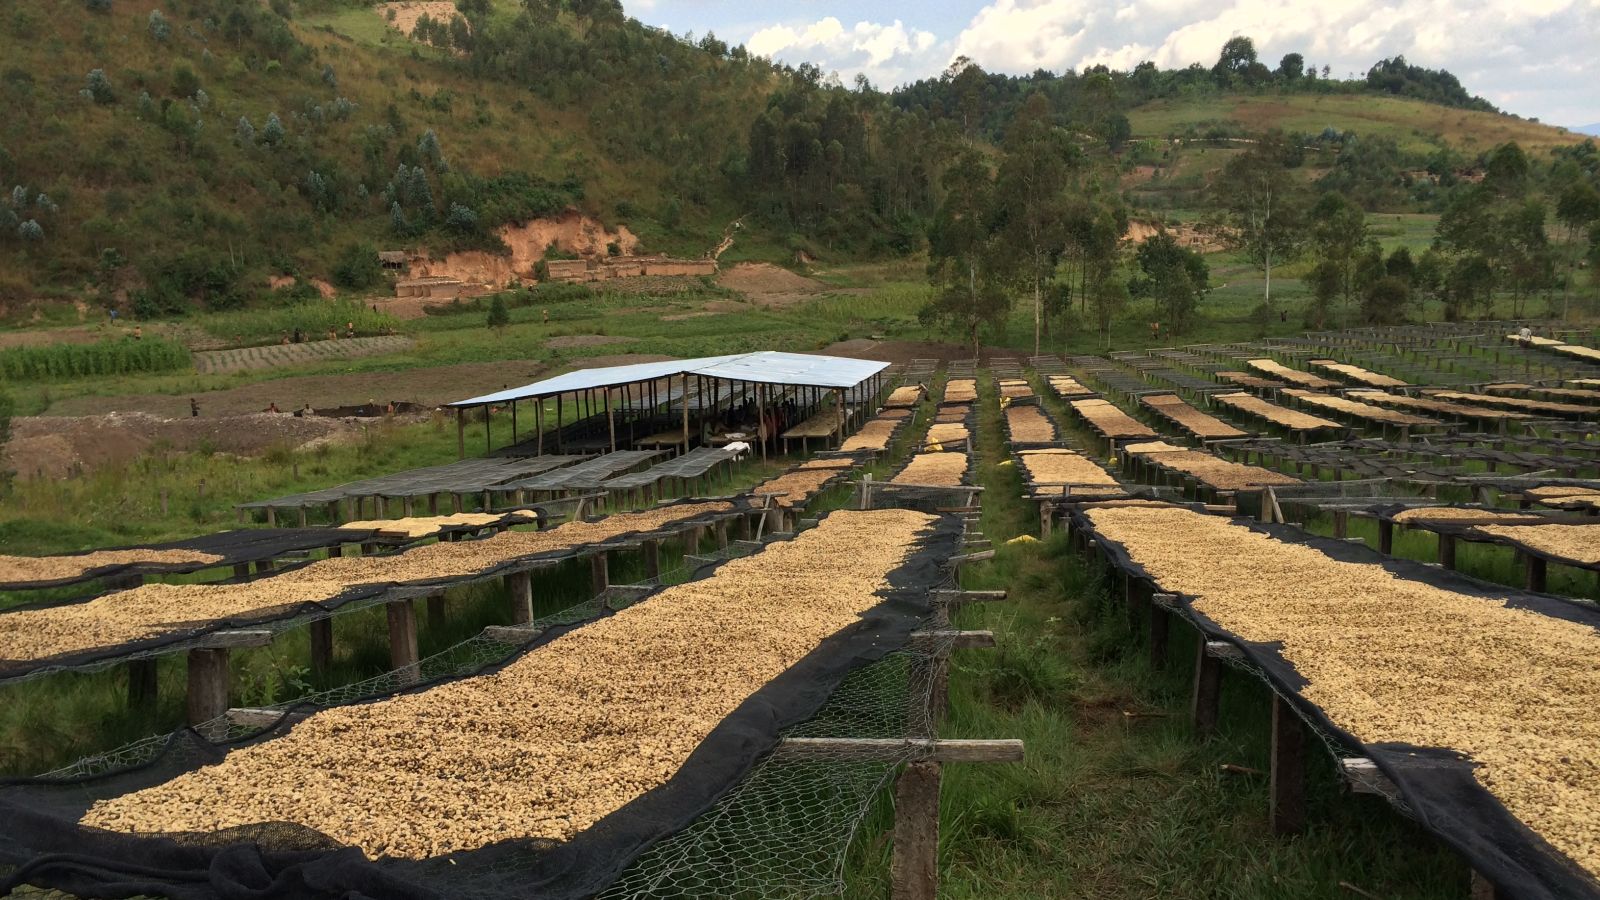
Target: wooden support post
{"type": "Point", "coordinates": [1341, 523]}
{"type": "Point", "coordinates": [1447, 551]}
{"type": "Point", "coordinates": [611, 422]}
{"type": "Point", "coordinates": [691, 539]}
{"type": "Point", "coordinates": [1207, 690]}
{"type": "Point", "coordinates": [914, 872]}
{"type": "Point", "coordinates": [208, 684]}
{"type": "Point", "coordinates": [1536, 571]}
{"type": "Point", "coordinates": [1287, 781]}
{"type": "Point", "coordinates": [650, 550]}
{"type": "Point", "coordinates": [520, 586]}
{"type": "Point", "coordinates": [436, 614]}
{"type": "Point", "coordinates": [403, 655]}
{"type": "Point", "coordinates": [461, 433]}
{"type": "Point", "coordinates": [721, 531]}
{"type": "Point", "coordinates": [321, 647]}
{"type": "Point", "coordinates": [1160, 624]}
{"type": "Point", "coordinates": [600, 571]}
{"type": "Point", "coordinates": [1385, 536]}
{"type": "Point", "coordinates": [143, 688]}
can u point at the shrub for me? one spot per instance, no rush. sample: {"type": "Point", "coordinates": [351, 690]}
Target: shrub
{"type": "Point", "coordinates": [98, 87]}
{"type": "Point", "coordinates": [160, 29]}
{"type": "Point", "coordinates": [30, 230]}
{"type": "Point", "coordinates": [499, 316]}
{"type": "Point", "coordinates": [99, 6]}
{"type": "Point", "coordinates": [358, 267]}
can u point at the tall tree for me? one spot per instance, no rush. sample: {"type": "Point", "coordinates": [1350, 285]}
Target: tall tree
{"type": "Point", "coordinates": [1338, 233]}
{"type": "Point", "coordinates": [1578, 210]}
{"type": "Point", "coordinates": [1263, 204]}
{"type": "Point", "coordinates": [1032, 191]}
{"type": "Point", "coordinates": [963, 265]}
{"type": "Point", "coordinates": [1176, 277]}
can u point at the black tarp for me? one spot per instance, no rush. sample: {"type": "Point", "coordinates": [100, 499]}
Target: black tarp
{"type": "Point", "coordinates": [184, 632]}
{"type": "Point", "coordinates": [1435, 783]}
{"type": "Point", "coordinates": [40, 835]}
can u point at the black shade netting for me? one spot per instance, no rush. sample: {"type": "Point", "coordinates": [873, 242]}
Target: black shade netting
{"type": "Point", "coordinates": [281, 860]}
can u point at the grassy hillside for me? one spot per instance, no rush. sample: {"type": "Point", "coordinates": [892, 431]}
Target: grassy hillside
{"type": "Point", "coordinates": [155, 165]}
{"type": "Point", "coordinates": [1416, 126]}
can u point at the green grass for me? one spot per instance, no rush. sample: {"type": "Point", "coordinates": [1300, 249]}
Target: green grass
{"type": "Point", "coordinates": [1108, 806]}
{"type": "Point", "coordinates": [124, 356]}
{"type": "Point", "coordinates": [269, 325]}
{"type": "Point", "coordinates": [1416, 126]}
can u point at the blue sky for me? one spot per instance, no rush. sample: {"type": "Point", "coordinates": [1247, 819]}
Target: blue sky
{"type": "Point", "coordinates": [1532, 57]}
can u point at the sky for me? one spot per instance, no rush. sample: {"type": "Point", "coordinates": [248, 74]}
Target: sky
{"type": "Point", "coordinates": [1536, 58]}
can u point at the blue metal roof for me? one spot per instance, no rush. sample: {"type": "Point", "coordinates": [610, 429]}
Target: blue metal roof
{"type": "Point", "coordinates": [763, 367]}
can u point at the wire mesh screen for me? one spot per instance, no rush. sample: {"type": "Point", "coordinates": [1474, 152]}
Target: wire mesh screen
{"type": "Point", "coordinates": [786, 830]}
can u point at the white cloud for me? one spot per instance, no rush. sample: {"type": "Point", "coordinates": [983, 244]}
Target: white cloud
{"type": "Point", "coordinates": [1533, 57]}
{"type": "Point", "coordinates": [888, 54]}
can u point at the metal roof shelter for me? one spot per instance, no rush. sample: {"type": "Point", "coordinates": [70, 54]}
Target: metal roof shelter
{"type": "Point", "coordinates": [763, 369]}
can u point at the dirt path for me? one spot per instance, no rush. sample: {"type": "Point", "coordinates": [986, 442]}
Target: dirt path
{"type": "Point", "coordinates": [244, 359]}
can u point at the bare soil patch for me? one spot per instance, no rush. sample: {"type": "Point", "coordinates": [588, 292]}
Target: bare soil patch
{"type": "Point", "coordinates": [407, 13]}
{"type": "Point", "coordinates": [570, 232]}
{"type": "Point", "coordinates": [769, 285]}
{"type": "Point", "coordinates": [57, 446]}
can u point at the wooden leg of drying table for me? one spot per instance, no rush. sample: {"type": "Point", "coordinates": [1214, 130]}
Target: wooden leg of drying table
{"type": "Point", "coordinates": [1159, 624]}
{"type": "Point", "coordinates": [520, 586]}
{"type": "Point", "coordinates": [600, 571]}
{"type": "Point", "coordinates": [403, 653]}
{"type": "Point", "coordinates": [1207, 690]}
{"type": "Point", "coordinates": [208, 685]}
{"type": "Point", "coordinates": [1447, 551]}
{"type": "Point", "coordinates": [651, 551]}
{"type": "Point", "coordinates": [321, 647]}
{"type": "Point", "coordinates": [1288, 775]}
{"type": "Point", "coordinates": [914, 872]}
{"type": "Point", "coordinates": [436, 612]}
{"type": "Point", "coordinates": [1537, 572]}
{"type": "Point", "coordinates": [142, 685]}
{"type": "Point", "coordinates": [1385, 537]}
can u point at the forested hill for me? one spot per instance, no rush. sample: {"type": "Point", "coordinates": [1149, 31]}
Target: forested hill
{"type": "Point", "coordinates": [181, 153]}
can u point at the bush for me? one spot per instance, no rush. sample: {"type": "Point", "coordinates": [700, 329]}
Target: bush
{"type": "Point", "coordinates": [159, 27]}
{"type": "Point", "coordinates": [98, 87]}
{"type": "Point", "coordinates": [358, 267]}
{"type": "Point", "coordinates": [119, 357]}
{"type": "Point", "coordinates": [499, 316]}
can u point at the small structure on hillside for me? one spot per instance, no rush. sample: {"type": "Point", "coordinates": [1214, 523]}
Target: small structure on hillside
{"type": "Point", "coordinates": [436, 287]}
{"type": "Point", "coordinates": [394, 260]}
{"type": "Point", "coordinates": [582, 270]}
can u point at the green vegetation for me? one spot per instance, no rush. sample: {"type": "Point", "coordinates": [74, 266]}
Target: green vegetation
{"type": "Point", "coordinates": [124, 356]}
{"type": "Point", "coordinates": [314, 319]}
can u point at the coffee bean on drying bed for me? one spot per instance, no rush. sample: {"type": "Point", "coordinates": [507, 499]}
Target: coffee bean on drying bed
{"type": "Point", "coordinates": [156, 609]}
{"type": "Point", "coordinates": [558, 739]}
{"type": "Point", "coordinates": [1393, 660]}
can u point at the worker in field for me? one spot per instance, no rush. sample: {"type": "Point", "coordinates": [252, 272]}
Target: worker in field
{"type": "Point", "coordinates": [194, 409]}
